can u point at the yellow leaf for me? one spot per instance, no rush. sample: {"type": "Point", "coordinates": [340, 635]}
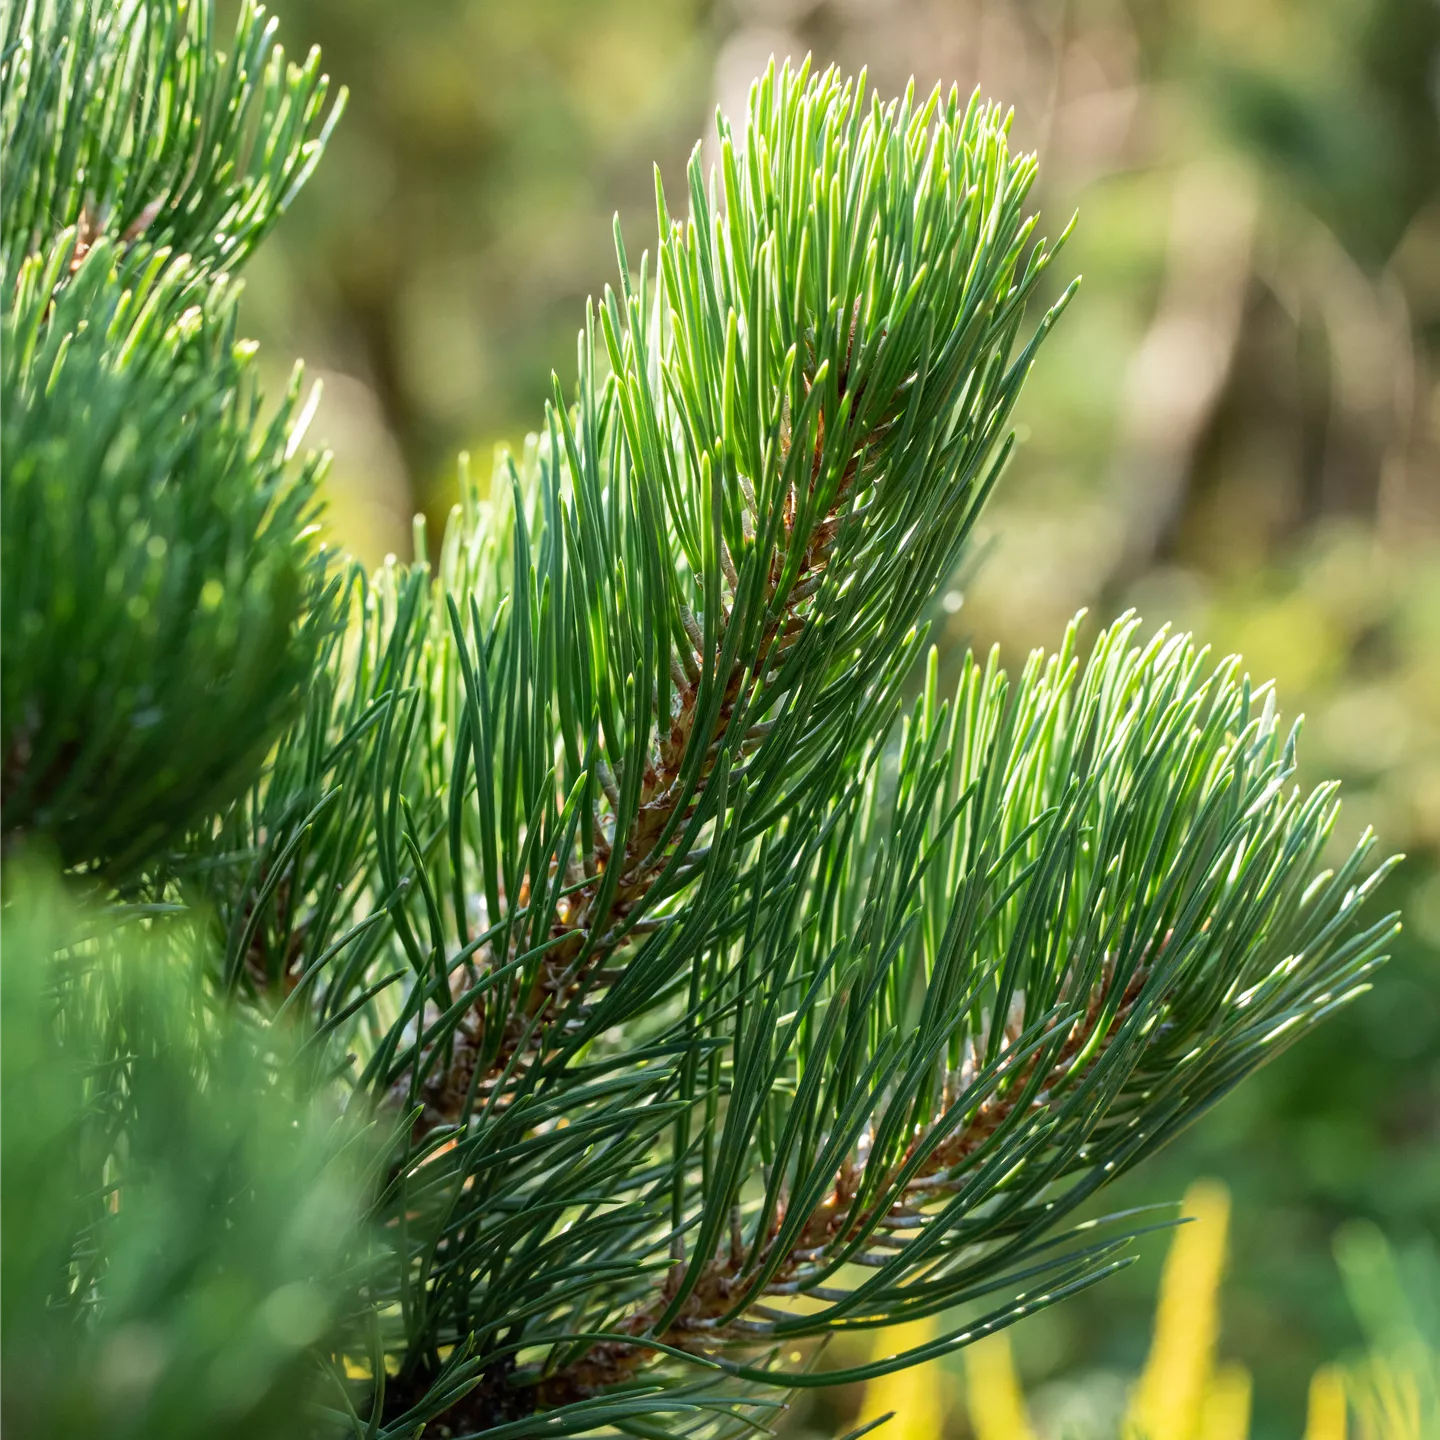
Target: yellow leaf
{"type": "Point", "coordinates": [916, 1396]}
{"type": "Point", "coordinates": [1171, 1391]}
{"type": "Point", "coordinates": [1325, 1411]}
{"type": "Point", "coordinates": [1225, 1414]}
{"type": "Point", "coordinates": [992, 1391]}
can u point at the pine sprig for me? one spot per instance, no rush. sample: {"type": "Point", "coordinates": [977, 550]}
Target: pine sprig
{"type": "Point", "coordinates": [161, 597]}
{"type": "Point", "coordinates": [731, 1010]}
{"type": "Point", "coordinates": [1087, 984]}
{"type": "Point", "coordinates": [876, 1142]}
{"type": "Point", "coordinates": [763, 575]}
{"type": "Point", "coordinates": [124, 121]}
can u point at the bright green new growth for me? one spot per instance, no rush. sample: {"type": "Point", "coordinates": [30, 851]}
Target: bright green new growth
{"type": "Point", "coordinates": [122, 119]}
{"type": "Point", "coordinates": [155, 562]}
{"type": "Point", "coordinates": [718, 998]}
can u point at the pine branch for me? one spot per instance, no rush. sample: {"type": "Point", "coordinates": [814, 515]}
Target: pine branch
{"type": "Point", "coordinates": [123, 122]}
{"type": "Point", "coordinates": [943, 1179]}
{"type": "Point", "coordinates": [162, 597]}
{"type": "Point", "coordinates": [722, 1008]}
{"type": "Point", "coordinates": [164, 600]}
{"type": "Point", "coordinates": [838, 428]}
{"type": "Point", "coordinates": [561, 982]}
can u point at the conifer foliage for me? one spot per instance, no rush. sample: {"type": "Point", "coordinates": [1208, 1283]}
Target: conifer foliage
{"type": "Point", "coordinates": [667, 973]}
{"type": "Point", "coordinates": [154, 555]}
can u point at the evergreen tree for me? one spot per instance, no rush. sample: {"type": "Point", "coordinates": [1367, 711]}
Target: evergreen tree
{"type": "Point", "coordinates": [695, 979]}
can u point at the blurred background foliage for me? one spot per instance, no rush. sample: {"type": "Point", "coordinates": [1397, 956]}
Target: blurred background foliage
{"type": "Point", "coordinates": [1236, 427]}
{"type": "Point", "coordinates": [1388, 1388]}
{"type": "Point", "coordinates": [182, 1234]}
